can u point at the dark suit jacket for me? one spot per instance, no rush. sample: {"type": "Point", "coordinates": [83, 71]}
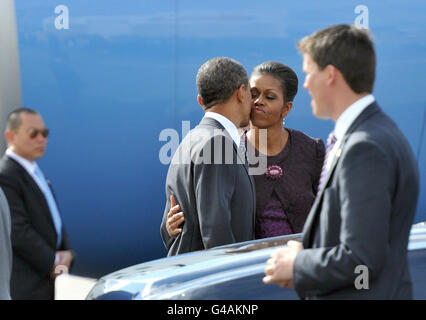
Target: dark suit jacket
{"type": "Point", "coordinates": [218, 198]}
{"type": "Point", "coordinates": [5, 248]}
{"type": "Point", "coordinates": [33, 234]}
{"type": "Point", "coordinates": [362, 216]}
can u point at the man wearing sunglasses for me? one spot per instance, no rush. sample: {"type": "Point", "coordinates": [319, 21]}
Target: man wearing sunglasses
{"type": "Point", "coordinates": [40, 244]}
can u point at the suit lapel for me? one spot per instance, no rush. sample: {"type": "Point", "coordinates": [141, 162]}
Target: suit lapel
{"type": "Point", "coordinates": [316, 207]}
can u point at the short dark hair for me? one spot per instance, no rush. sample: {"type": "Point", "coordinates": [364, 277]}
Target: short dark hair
{"type": "Point", "coordinates": [347, 48]}
{"type": "Point", "coordinates": [218, 78]}
{"type": "Point", "coordinates": [281, 72]}
{"type": "Point", "coordinates": [14, 118]}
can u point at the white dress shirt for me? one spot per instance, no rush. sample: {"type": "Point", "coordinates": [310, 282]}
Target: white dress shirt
{"type": "Point", "coordinates": [227, 124]}
{"type": "Point", "coordinates": [344, 122]}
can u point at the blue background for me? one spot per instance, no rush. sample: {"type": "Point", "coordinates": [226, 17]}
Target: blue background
{"type": "Point", "coordinates": [125, 71]}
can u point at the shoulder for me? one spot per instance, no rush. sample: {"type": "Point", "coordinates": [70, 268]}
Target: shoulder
{"type": "Point", "coordinates": [201, 136]}
{"type": "Point", "coordinates": [7, 165]}
{"type": "Point", "coordinates": [379, 132]}
{"type": "Point", "coordinates": [376, 127]}
{"type": "Point", "coordinates": [10, 170]}
{"type": "Point", "coordinates": [314, 146]}
{"type": "Point", "coordinates": [302, 138]}
{"type": "Point", "coordinates": [362, 147]}
{"type": "Point", "coordinates": [377, 136]}
{"type": "Point", "coordinates": [205, 145]}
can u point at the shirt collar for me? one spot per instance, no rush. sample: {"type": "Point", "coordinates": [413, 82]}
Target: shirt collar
{"type": "Point", "coordinates": [227, 124]}
{"type": "Point", "coordinates": [350, 114]}
{"type": "Point", "coordinates": [28, 165]}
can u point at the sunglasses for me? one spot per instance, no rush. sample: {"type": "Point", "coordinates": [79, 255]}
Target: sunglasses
{"type": "Point", "coordinates": [34, 132]}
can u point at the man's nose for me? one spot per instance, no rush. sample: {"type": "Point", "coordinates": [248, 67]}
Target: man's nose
{"type": "Point", "coordinates": [41, 138]}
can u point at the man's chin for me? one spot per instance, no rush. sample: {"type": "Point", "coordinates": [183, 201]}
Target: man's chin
{"type": "Point", "coordinates": [245, 124]}
{"type": "Point", "coordinates": [321, 116]}
{"type": "Point", "coordinates": [318, 114]}
{"type": "Point", "coordinates": [37, 155]}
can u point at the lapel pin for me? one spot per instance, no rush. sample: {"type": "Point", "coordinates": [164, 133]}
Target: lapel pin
{"type": "Point", "coordinates": [339, 153]}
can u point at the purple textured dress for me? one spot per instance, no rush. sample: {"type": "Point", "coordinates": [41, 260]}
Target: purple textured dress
{"type": "Point", "coordinates": [273, 220]}
{"type": "Point", "coordinates": [282, 205]}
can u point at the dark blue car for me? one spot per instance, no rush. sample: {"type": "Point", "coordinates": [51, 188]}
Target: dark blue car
{"type": "Point", "coordinates": [231, 272]}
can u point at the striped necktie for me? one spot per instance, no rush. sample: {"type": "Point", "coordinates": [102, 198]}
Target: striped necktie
{"type": "Point", "coordinates": [51, 203]}
{"type": "Point", "coordinates": [331, 141]}
{"type": "Point", "coordinates": [242, 147]}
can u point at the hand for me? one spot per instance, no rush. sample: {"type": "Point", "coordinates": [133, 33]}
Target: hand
{"type": "Point", "coordinates": [63, 264]}
{"type": "Point", "coordinates": [65, 258]}
{"type": "Point", "coordinates": [174, 219]}
{"type": "Point", "coordinates": [279, 268]}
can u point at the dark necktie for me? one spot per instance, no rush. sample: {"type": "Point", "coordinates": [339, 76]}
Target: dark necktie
{"type": "Point", "coordinates": [331, 141]}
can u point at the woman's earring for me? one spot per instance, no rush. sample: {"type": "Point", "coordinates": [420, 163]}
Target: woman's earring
{"type": "Point", "coordinates": [283, 122]}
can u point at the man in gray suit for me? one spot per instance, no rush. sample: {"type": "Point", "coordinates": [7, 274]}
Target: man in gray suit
{"type": "Point", "coordinates": [356, 235]}
{"type": "Point", "coordinates": [208, 175]}
{"type": "Point", "coordinates": [5, 248]}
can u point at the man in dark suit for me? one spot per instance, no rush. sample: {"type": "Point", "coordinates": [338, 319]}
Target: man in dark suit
{"type": "Point", "coordinates": [208, 175]}
{"type": "Point", "coordinates": [39, 241]}
{"type": "Point", "coordinates": [356, 235]}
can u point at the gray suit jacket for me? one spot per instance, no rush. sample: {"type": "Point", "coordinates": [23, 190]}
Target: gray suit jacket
{"type": "Point", "coordinates": [209, 180]}
{"type": "Point", "coordinates": [5, 248]}
{"type": "Point", "coordinates": [362, 217]}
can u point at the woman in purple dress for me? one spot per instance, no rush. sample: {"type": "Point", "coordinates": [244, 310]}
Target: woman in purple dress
{"type": "Point", "coordinates": [286, 191]}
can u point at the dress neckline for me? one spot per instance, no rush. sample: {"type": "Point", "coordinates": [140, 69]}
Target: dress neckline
{"type": "Point", "coordinates": [282, 154]}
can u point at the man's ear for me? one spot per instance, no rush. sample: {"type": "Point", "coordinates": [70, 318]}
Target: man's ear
{"type": "Point", "coordinates": [332, 73]}
{"type": "Point", "coordinates": [240, 93]}
{"type": "Point", "coordinates": [8, 134]}
{"type": "Point", "coordinates": [200, 100]}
